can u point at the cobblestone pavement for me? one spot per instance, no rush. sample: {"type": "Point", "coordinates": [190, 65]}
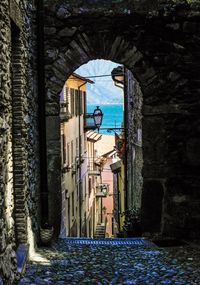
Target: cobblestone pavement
{"type": "Point", "coordinates": [99, 263]}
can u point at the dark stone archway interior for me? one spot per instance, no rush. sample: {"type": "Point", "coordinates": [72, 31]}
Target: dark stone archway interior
{"type": "Point", "coordinates": [160, 46]}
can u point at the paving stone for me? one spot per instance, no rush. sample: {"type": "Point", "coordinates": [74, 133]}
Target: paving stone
{"type": "Point", "coordinates": [115, 262]}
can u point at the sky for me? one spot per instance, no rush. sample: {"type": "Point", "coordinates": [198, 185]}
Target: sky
{"type": "Point", "coordinates": [103, 91]}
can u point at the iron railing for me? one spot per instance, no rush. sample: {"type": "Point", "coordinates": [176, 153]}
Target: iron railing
{"type": "Point", "coordinates": [93, 169]}
{"type": "Point", "coordinates": [64, 112]}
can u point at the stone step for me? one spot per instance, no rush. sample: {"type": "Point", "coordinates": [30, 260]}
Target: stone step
{"type": "Point", "coordinates": [113, 241]}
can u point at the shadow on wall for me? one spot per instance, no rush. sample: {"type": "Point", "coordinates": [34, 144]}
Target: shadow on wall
{"type": "Point", "coordinates": [152, 201]}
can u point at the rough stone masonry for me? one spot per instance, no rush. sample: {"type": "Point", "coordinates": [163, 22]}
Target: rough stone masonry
{"type": "Point", "coordinates": [19, 174]}
{"type": "Point", "coordinates": [159, 44]}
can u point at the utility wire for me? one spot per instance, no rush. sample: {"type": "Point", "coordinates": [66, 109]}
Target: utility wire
{"type": "Point", "coordinates": [96, 76]}
{"type": "Point", "coordinates": [103, 75]}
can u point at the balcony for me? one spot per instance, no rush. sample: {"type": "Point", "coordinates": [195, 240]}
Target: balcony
{"type": "Point", "coordinates": [102, 190]}
{"type": "Point", "coordinates": [93, 170]}
{"type": "Point", "coordinates": [64, 112]}
{"type": "Point", "coordinates": [89, 122]}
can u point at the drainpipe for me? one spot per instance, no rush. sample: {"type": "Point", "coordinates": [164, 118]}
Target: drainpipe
{"type": "Point", "coordinates": [41, 111]}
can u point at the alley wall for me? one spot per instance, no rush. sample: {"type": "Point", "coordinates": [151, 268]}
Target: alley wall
{"type": "Point", "coordinates": [19, 159]}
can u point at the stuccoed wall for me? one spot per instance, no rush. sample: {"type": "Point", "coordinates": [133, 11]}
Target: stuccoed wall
{"type": "Point", "coordinates": [18, 106]}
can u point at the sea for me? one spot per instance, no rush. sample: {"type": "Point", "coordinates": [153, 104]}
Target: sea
{"type": "Point", "coordinates": [112, 117]}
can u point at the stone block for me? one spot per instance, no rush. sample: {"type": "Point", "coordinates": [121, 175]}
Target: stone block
{"type": "Point", "coordinates": [52, 109]}
{"type": "Point", "coordinates": [53, 127]}
{"type": "Point", "coordinates": [67, 32]}
{"type": "Point", "coordinates": [193, 151]}
{"type": "Point", "coordinates": [189, 27]}
{"type": "Point", "coordinates": [63, 12]}
{"type": "Point", "coordinates": [50, 31]}
{"type": "Point", "coordinates": [152, 206]}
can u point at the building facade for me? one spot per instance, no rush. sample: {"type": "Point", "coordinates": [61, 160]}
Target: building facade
{"type": "Point", "coordinates": [79, 171]}
{"type": "Point", "coordinates": [93, 207]}
{"type": "Point", "coordinates": [107, 201]}
{"type": "Point", "coordinates": [74, 162]}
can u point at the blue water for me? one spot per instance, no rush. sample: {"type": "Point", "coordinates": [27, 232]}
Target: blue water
{"type": "Point", "coordinates": [112, 116]}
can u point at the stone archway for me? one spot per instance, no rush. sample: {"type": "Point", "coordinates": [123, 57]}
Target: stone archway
{"type": "Point", "coordinates": [159, 48]}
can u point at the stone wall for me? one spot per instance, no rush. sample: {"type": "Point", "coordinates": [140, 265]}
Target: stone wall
{"type": "Point", "coordinates": [18, 133]}
{"type": "Point", "coordinates": [33, 194]}
{"type": "Point", "coordinates": [170, 116]}
{"type": "Point", "coordinates": [7, 241]}
{"type": "Point", "coordinates": [134, 141]}
{"type": "Point", "coordinates": [160, 45]}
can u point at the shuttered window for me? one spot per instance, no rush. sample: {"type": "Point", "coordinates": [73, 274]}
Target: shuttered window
{"type": "Point", "coordinates": [72, 152]}
{"type": "Point", "coordinates": [72, 101]}
{"type": "Point", "coordinates": [76, 103]}
{"type": "Point", "coordinates": [84, 102]}
{"type": "Point", "coordinates": [67, 99]}
{"type": "Point", "coordinates": [68, 154]}
{"type": "Point", "coordinates": [81, 103]}
{"type": "Point", "coordinates": [64, 148]}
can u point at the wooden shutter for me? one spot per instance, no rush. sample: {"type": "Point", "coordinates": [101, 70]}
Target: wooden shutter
{"type": "Point", "coordinates": [64, 148]}
{"type": "Point", "coordinates": [72, 101]}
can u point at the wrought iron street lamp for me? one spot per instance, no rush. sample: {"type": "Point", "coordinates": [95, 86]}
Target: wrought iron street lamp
{"type": "Point", "coordinates": [118, 76]}
{"type": "Point", "coordinates": [98, 117]}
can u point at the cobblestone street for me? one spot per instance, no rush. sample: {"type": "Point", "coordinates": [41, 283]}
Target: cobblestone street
{"type": "Point", "coordinates": [91, 262]}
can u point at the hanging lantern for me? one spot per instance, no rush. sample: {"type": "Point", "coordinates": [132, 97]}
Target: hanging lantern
{"type": "Point", "coordinates": [98, 117]}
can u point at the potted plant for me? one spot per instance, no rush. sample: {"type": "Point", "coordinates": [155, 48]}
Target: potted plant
{"type": "Point", "coordinates": [132, 223]}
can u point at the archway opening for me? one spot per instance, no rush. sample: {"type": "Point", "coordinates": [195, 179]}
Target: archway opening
{"type": "Point", "coordinates": [129, 47]}
{"type": "Point", "coordinates": [98, 169]}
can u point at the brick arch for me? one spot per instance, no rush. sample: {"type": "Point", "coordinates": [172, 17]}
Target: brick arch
{"type": "Point", "coordinates": [160, 53]}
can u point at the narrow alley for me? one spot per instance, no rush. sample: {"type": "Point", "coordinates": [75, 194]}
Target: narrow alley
{"type": "Point", "coordinates": [99, 142]}
{"type": "Point", "coordinates": [113, 261]}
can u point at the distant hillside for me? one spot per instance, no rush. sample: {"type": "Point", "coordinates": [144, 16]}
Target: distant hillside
{"type": "Point", "coordinates": [103, 91]}
{"type": "Point", "coordinates": [99, 94]}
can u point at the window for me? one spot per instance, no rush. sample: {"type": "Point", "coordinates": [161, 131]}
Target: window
{"type": "Point", "coordinates": [68, 152]}
{"type": "Point", "coordinates": [72, 101]}
{"type": "Point", "coordinates": [77, 147]}
{"type": "Point", "coordinates": [81, 144]}
{"type": "Point", "coordinates": [72, 151]}
{"type": "Point", "coordinates": [67, 98]}
{"type": "Point", "coordinates": [84, 102]}
{"type": "Point", "coordinates": [76, 103]}
{"type": "Point", "coordinates": [90, 186]}
{"type": "Point", "coordinates": [81, 103]}
{"type": "Point", "coordinates": [63, 148]}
